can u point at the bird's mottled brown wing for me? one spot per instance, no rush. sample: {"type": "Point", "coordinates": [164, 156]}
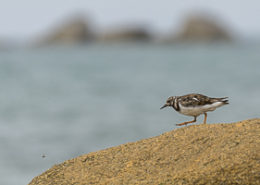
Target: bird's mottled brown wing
{"type": "Point", "coordinates": [195, 100]}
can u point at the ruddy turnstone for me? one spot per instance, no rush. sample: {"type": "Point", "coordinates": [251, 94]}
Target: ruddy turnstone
{"type": "Point", "coordinates": [194, 105]}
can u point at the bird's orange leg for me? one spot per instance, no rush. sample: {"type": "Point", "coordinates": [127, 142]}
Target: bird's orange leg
{"type": "Point", "coordinates": [205, 118]}
{"type": "Point", "coordinates": [187, 122]}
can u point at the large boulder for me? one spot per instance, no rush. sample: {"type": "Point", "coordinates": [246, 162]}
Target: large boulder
{"type": "Point", "coordinates": [196, 154]}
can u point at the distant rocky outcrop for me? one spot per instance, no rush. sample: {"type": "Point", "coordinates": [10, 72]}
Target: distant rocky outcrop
{"type": "Point", "coordinates": [202, 28]}
{"type": "Point", "coordinates": [74, 31]}
{"type": "Point", "coordinates": [196, 154]}
{"type": "Point", "coordinates": [128, 33]}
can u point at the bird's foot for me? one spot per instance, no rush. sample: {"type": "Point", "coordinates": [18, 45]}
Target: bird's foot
{"type": "Point", "coordinates": [187, 122]}
{"type": "Point", "coordinates": [180, 124]}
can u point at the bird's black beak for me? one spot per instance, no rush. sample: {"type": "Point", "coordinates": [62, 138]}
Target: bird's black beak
{"type": "Point", "coordinates": [164, 106]}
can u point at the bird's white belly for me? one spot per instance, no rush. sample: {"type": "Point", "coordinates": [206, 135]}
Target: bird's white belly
{"type": "Point", "coordinates": [197, 110]}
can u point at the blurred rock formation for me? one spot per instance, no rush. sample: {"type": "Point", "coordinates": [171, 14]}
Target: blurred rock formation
{"type": "Point", "coordinates": [73, 31]}
{"type": "Point", "coordinates": [196, 28]}
{"type": "Point", "coordinates": [129, 33]}
{"type": "Point", "coordinates": [202, 28]}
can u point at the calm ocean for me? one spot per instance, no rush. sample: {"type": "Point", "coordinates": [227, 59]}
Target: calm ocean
{"type": "Point", "coordinates": [62, 102]}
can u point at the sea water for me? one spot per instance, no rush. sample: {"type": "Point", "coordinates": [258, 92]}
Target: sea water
{"type": "Point", "coordinates": [57, 103]}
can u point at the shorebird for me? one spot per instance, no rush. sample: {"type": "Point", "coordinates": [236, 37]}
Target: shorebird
{"type": "Point", "coordinates": [194, 105]}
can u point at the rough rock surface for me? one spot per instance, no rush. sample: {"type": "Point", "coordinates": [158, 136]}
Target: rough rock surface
{"type": "Point", "coordinates": [196, 154]}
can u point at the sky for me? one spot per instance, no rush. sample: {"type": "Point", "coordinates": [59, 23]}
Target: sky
{"type": "Point", "coordinates": [26, 19]}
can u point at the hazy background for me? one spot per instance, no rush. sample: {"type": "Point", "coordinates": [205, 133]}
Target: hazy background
{"type": "Point", "coordinates": [26, 19]}
{"type": "Point", "coordinates": [80, 76]}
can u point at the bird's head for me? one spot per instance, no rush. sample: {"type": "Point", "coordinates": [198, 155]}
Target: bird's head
{"type": "Point", "coordinates": [169, 102]}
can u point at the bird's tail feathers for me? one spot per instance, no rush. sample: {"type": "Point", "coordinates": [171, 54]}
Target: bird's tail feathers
{"type": "Point", "coordinates": [223, 100]}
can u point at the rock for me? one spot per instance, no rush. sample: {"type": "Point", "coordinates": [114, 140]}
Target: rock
{"type": "Point", "coordinates": [73, 31]}
{"type": "Point", "coordinates": [196, 154]}
{"type": "Point", "coordinates": [125, 34]}
{"type": "Point", "coordinates": [202, 28]}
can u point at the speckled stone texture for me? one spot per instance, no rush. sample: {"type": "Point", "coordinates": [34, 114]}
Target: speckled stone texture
{"type": "Point", "coordinates": [196, 154]}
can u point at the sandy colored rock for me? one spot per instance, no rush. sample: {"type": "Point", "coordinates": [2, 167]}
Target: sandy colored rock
{"type": "Point", "coordinates": [196, 154]}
